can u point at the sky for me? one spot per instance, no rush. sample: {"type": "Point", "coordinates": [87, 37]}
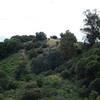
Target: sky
{"type": "Point", "coordinates": [26, 17]}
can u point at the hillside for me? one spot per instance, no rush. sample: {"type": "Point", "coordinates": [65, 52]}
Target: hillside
{"type": "Point", "coordinates": [38, 68]}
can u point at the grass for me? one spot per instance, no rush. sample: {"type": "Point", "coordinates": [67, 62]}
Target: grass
{"type": "Point", "coordinates": [52, 42]}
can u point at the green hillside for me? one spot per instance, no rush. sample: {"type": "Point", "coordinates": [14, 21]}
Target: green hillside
{"type": "Point", "coordinates": [35, 67]}
{"type": "Point", "coordinates": [10, 63]}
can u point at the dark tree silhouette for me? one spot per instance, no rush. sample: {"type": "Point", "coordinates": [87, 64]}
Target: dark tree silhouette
{"type": "Point", "coordinates": [91, 26]}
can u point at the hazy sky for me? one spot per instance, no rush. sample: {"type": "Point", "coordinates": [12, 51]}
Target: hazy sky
{"type": "Point", "coordinates": [50, 16]}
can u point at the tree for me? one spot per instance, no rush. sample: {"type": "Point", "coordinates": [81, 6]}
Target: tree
{"type": "Point", "coordinates": [41, 36]}
{"type": "Point", "coordinates": [53, 37]}
{"type": "Point", "coordinates": [92, 26]}
{"type": "Point", "coordinates": [67, 44]}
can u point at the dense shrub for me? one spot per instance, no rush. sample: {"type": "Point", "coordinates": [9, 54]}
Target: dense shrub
{"type": "Point", "coordinates": [66, 74]}
{"type": "Point", "coordinates": [95, 85]}
{"type": "Point", "coordinates": [20, 70]}
{"type": "Point", "coordinates": [4, 81]}
{"type": "Point", "coordinates": [31, 95]}
{"type": "Point", "coordinates": [32, 53]}
{"type": "Point", "coordinates": [39, 51]}
{"type": "Point", "coordinates": [46, 62]}
{"type": "Point", "coordinates": [39, 82]}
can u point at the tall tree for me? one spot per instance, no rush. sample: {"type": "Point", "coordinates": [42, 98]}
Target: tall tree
{"type": "Point", "coordinates": [41, 36]}
{"type": "Point", "coordinates": [67, 44]}
{"type": "Point", "coordinates": [91, 26]}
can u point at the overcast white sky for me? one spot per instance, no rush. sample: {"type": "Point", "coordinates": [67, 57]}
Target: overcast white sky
{"type": "Point", "coordinates": [50, 16]}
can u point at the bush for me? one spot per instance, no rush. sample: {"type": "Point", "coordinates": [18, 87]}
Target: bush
{"type": "Point", "coordinates": [1, 96]}
{"type": "Point", "coordinates": [32, 53]}
{"type": "Point", "coordinates": [4, 81]}
{"type": "Point", "coordinates": [95, 85]}
{"type": "Point", "coordinates": [98, 98]}
{"type": "Point", "coordinates": [44, 45]}
{"type": "Point", "coordinates": [20, 70]}
{"type": "Point", "coordinates": [50, 61]}
{"type": "Point", "coordinates": [31, 95]}
{"type": "Point", "coordinates": [13, 84]}
{"type": "Point", "coordinates": [39, 83]}
{"type": "Point", "coordinates": [65, 74]}
{"type": "Point", "coordinates": [39, 51]}
{"type": "Point", "coordinates": [36, 44]}
{"type": "Point", "coordinates": [93, 95]}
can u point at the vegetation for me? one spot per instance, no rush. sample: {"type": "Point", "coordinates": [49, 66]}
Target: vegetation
{"type": "Point", "coordinates": [39, 68]}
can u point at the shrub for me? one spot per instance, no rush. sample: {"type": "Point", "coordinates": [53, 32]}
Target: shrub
{"type": "Point", "coordinates": [65, 74]}
{"type": "Point", "coordinates": [39, 82]}
{"type": "Point", "coordinates": [4, 81]}
{"type": "Point", "coordinates": [20, 70]}
{"type": "Point", "coordinates": [32, 53]}
{"type": "Point", "coordinates": [95, 85]}
{"type": "Point", "coordinates": [31, 95]}
{"type": "Point", "coordinates": [39, 51]}
{"type": "Point", "coordinates": [93, 95]}
{"type": "Point", "coordinates": [37, 44]}
{"type": "Point", "coordinates": [44, 45]}
{"type": "Point", "coordinates": [1, 96]}
{"type": "Point", "coordinates": [31, 85]}
{"type": "Point", "coordinates": [98, 97]}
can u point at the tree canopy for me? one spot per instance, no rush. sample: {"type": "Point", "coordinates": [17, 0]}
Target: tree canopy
{"type": "Point", "coordinates": [91, 26]}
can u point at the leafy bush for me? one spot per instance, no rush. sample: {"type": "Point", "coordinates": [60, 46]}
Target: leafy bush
{"type": "Point", "coordinates": [93, 95]}
{"type": "Point", "coordinates": [32, 53]}
{"type": "Point", "coordinates": [95, 85]}
{"type": "Point", "coordinates": [20, 70]}
{"type": "Point", "coordinates": [39, 82]}
{"type": "Point", "coordinates": [1, 96]}
{"type": "Point", "coordinates": [39, 51]}
{"type": "Point", "coordinates": [4, 81]}
{"type": "Point", "coordinates": [50, 61]}
{"type": "Point", "coordinates": [65, 74]}
{"type": "Point", "coordinates": [31, 95]}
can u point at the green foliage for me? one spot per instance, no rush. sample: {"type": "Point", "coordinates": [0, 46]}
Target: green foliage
{"type": "Point", "coordinates": [1, 96]}
{"type": "Point", "coordinates": [65, 74]}
{"type": "Point", "coordinates": [53, 37]}
{"type": "Point", "coordinates": [49, 69]}
{"type": "Point", "coordinates": [41, 36]}
{"type": "Point", "coordinates": [39, 82]}
{"type": "Point", "coordinates": [32, 53]}
{"type": "Point", "coordinates": [46, 62]}
{"type": "Point", "coordinates": [20, 70]}
{"type": "Point", "coordinates": [23, 38]}
{"type": "Point", "coordinates": [67, 44]}
{"type": "Point", "coordinates": [92, 26]}
{"type": "Point", "coordinates": [93, 95]}
{"type": "Point", "coordinates": [9, 64]}
{"type": "Point", "coordinates": [98, 98]}
{"type": "Point", "coordinates": [95, 85]}
{"type": "Point", "coordinates": [31, 95]}
{"type": "Point", "coordinates": [4, 81]}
